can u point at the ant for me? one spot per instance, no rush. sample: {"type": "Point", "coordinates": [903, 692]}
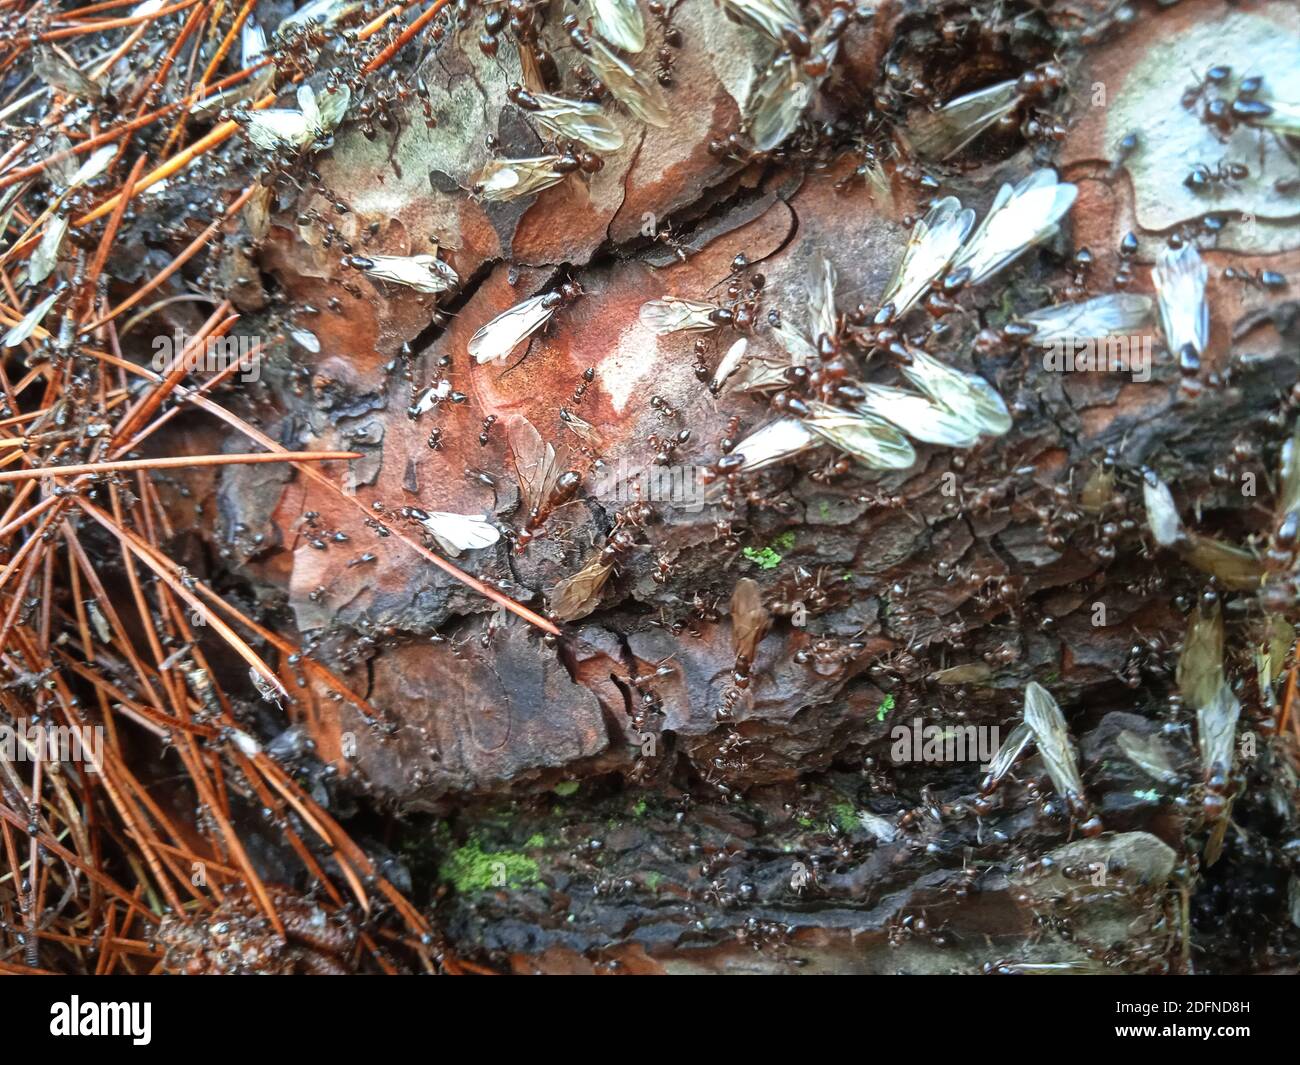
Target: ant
{"type": "Point", "coordinates": [1203, 179]}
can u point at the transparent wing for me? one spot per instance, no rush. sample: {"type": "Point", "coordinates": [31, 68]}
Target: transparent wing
{"type": "Point", "coordinates": [576, 596]}
{"type": "Point", "coordinates": [1200, 666]}
{"type": "Point", "coordinates": [326, 12]}
{"type": "Point", "coordinates": [332, 106]}
{"type": "Point", "coordinates": [46, 256]}
{"type": "Point", "coordinates": [778, 102]}
{"type": "Point", "coordinates": [938, 134]}
{"type": "Point", "coordinates": [1012, 747]}
{"type": "Point", "coordinates": [1179, 278]}
{"type": "Point", "coordinates": [54, 70]}
{"type": "Point", "coordinates": [582, 428]}
{"type": "Point", "coordinates": [729, 363]}
{"type": "Point", "coordinates": [870, 440]}
{"type": "Point", "coordinates": [749, 618]}
{"type": "Point", "coordinates": [30, 321]}
{"type": "Point", "coordinates": [674, 315]}
{"type": "Point", "coordinates": [1148, 754]}
{"type": "Point", "coordinates": [934, 241]}
{"type": "Point", "coordinates": [508, 179]}
{"type": "Point", "coordinates": [1288, 496]}
{"type": "Point", "coordinates": [760, 373]}
{"type": "Point", "coordinates": [821, 299]}
{"type": "Point", "coordinates": [1162, 513]}
{"type": "Point", "coordinates": [1018, 219]}
{"type": "Point", "coordinates": [795, 343]}
{"type": "Point", "coordinates": [431, 397]}
{"type": "Point", "coordinates": [918, 417]}
{"type": "Point", "coordinates": [461, 532]}
{"type": "Point", "coordinates": [424, 273]}
{"type": "Point", "coordinates": [1234, 567]}
{"type": "Point", "coordinates": [620, 22]}
{"type": "Point", "coordinates": [767, 16]}
{"type": "Point", "coordinates": [774, 442]}
{"type": "Point", "coordinates": [968, 396]}
{"type": "Point", "coordinates": [1284, 117]}
{"type": "Point", "coordinates": [307, 105]}
{"type": "Point", "coordinates": [633, 90]}
{"type": "Point", "coordinates": [1116, 314]}
{"type": "Point", "coordinates": [1052, 736]}
{"type": "Point", "coordinates": [579, 121]}
{"type": "Point", "coordinates": [1216, 728]}
{"type": "Point", "coordinates": [252, 42]}
{"type": "Point", "coordinates": [277, 127]}
{"type": "Point", "coordinates": [537, 463]}
{"type": "Point", "coordinates": [511, 328]}
{"type": "Point", "coordinates": [94, 166]}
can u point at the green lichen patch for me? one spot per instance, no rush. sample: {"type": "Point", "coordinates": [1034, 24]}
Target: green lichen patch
{"type": "Point", "coordinates": [470, 868]}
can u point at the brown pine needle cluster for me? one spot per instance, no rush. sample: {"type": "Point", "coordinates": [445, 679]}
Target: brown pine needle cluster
{"type": "Point", "coordinates": [103, 636]}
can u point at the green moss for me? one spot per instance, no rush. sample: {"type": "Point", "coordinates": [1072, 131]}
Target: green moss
{"type": "Point", "coordinates": [653, 880]}
{"type": "Point", "coordinates": [470, 868]}
{"type": "Point", "coordinates": [844, 816]}
{"type": "Point", "coordinates": [565, 788]}
{"type": "Point", "coordinates": [770, 557]}
{"type": "Point", "coordinates": [885, 707]}
{"type": "Point", "coordinates": [764, 558]}
{"type": "Point", "coordinates": [806, 822]}
{"type": "Point", "coordinates": [535, 840]}
{"type": "Point", "coordinates": [639, 809]}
